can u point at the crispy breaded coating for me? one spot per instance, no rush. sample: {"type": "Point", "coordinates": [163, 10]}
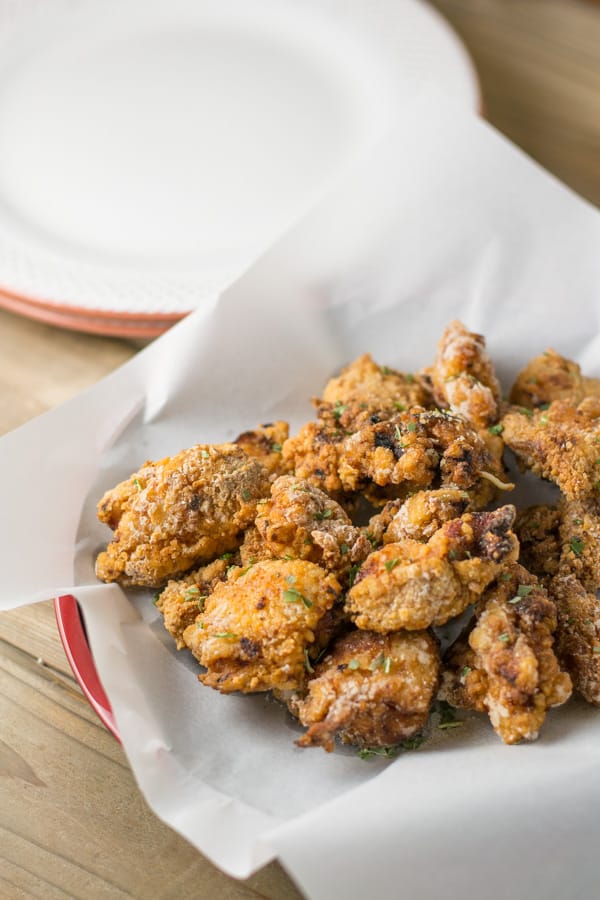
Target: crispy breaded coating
{"type": "Point", "coordinates": [313, 455]}
{"type": "Point", "coordinates": [580, 540]}
{"type": "Point", "coordinates": [372, 690]}
{"type": "Point", "coordinates": [578, 634]}
{"type": "Point", "coordinates": [537, 530]}
{"type": "Point", "coordinates": [256, 629]}
{"type": "Point", "coordinates": [508, 667]}
{"type": "Point", "coordinates": [253, 549]}
{"type": "Point", "coordinates": [185, 509]}
{"type": "Point", "coordinates": [561, 444]}
{"type": "Point", "coordinates": [182, 599]}
{"type": "Point", "coordinates": [463, 377]}
{"type": "Point", "coordinates": [416, 449]}
{"type": "Point", "coordinates": [301, 521]}
{"type": "Point", "coordinates": [365, 392]}
{"type": "Point", "coordinates": [550, 377]}
{"type": "Point", "coordinates": [265, 443]}
{"type": "Point", "coordinates": [414, 585]}
{"type": "Point", "coordinates": [421, 515]}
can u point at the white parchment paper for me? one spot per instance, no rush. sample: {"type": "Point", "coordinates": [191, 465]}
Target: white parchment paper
{"type": "Point", "coordinates": [444, 219]}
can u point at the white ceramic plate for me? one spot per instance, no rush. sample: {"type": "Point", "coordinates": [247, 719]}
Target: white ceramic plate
{"type": "Point", "coordinates": [149, 149]}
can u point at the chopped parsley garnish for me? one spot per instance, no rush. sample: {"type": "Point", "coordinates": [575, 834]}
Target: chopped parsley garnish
{"type": "Point", "coordinates": [377, 662]}
{"type": "Point", "coordinates": [411, 426]}
{"type": "Point", "coordinates": [325, 514]}
{"type": "Point", "coordinates": [385, 752]}
{"type": "Point", "coordinates": [447, 716]}
{"type": "Point", "coordinates": [452, 554]}
{"type": "Point", "coordinates": [200, 602]}
{"type": "Point", "coordinates": [226, 634]}
{"type": "Point", "coordinates": [397, 433]}
{"type": "Point", "coordinates": [307, 662]}
{"type": "Point", "coordinates": [205, 454]}
{"type": "Point", "coordinates": [290, 579]}
{"type": "Point", "coordinates": [156, 597]}
{"type": "Point", "coordinates": [522, 591]}
{"type": "Point", "coordinates": [409, 377]}
{"type": "Point", "coordinates": [413, 743]}
{"type": "Point", "coordinates": [344, 549]}
{"type": "Point", "coordinates": [504, 637]}
{"type": "Point", "coordinates": [291, 595]}
{"type": "Point", "coordinates": [496, 429]}
{"type": "Point", "coordinates": [465, 671]}
{"type": "Point", "coordinates": [577, 521]}
{"type": "Point", "coordinates": [352, 575]}
{"type": "Point", "coordinates": [544, 406]}
{"type": "Point", "coordinates": [391, 564]}
{"type": "Point", "coordinates": [385, 370]}
{"type": "Point", "coordinates": [246, 494]}
{"type": "Point", "coordinates": [137, 484]}
{"type": "Point", "coordinates": [354, 664]}
{"type": "Point", "coordinates": [339, 408]}
{"type": "Point", "coordinates": [525, 412]}
{"type": "Point", "coordinates": [505, 577]}
{"type": "Point", "coordinates": [226, 556]}
{"type": "Point", "coordinates": [276, 448]}
{"type": "Point", "coordinates": [577, 546]}
{"type": "Point", "coordinates": [399, 406]}
{"type": "Point", "coordinates": [544, 420]}
{"type": "Point", "coordinates": [597, 649]}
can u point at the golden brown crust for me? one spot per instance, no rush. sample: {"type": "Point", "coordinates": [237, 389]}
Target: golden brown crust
{"type": "Point", "coordinates": [182, 599]}
{"type": "Point", "coordinates": [414, 585]}
{"type": "Point", "coordinates": [537, 530]}
{"type": "Point", "coordinates": [561, 443]}
{"type": "Point", "coordinates": [421, 515]}
{"type": "Point", "coordinates": [185, 509]}
{"type": "Point", "coordinates": [301, 521]}
{"type": "Point", "coordinates": [313, 455]}
{"type": "Point", "coordinates": [256, 629]}
{"type": "Point", "coordinates": [578, 634]}
{"type": "Point", "coordinates": [546, 378]}
{"type": "Point", "coordinates": [463, 377]}
{"type": "Point", "coordinates": [580, 541]}
{"type": "Point", "coordinates": [509, 667]}
{"type": "Point", "coordinates": [265, 444]}
{"type": "Point", "coordinates": [371, 690]}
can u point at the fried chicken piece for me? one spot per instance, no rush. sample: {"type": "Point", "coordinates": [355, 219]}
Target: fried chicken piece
{"type": "Point", "coordinates": [537, 530]}
{"type": "Point", "coordinates": [550, 377]}
{"type": "Point", "coordinates": [463, 377]}
{"type": "Point", "coordinates": [313, 455]}
{"type": "Point", "coordinates": [416, 449]}
{"type": "Point", "coordinates": [508, 666]}
{"type": "Point", "coordinates": [580, 540]}
{"type": "Point", "coordinates": [256, 629]}
{"type": "Point", "coordinates": [372, 690]}
{"type": "Point", "coordinates": [578, 634]}
{"type": "Point", "coordinates": [253, 548]}
{"type": "Point", "coordinates": [421, 515]}
{"type": "Point", "coordinates": [183, 510]}
{"type": "Point", "coordinates": [265, 443]}
{"type": "Point", "coordinates": [301, 521]}
{"type": "Point", "coordinates": [182, 599]}
{"type": "Point", "coordinates": [561, 444]}
{"type": "Point", "coordinates": [366, 393]}
{"type": "Point", "coordinates": [414, 585]}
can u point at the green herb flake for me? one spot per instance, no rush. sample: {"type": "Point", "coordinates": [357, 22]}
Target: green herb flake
{"type": "Point", "coordinates": [391, 564]}
{"type": "Point", "coordinates": [496, 429]}
{"type": "Point", "coordinates": [205, 454]}
{"type": "Point", "coordinates": [597, 648]}
{"type": "Point", "coordinates": [577, 521]}
{"type": "Point", "coordinates": [344, 549]}
{"type": "Point", "coordinates": [352, 575]}
{"type": "Point", "coordinates": [505, 577]}
{"type": "Point", "coordinates": [447, 716]}
{"type": "Point", "coordinates": [200, 602]}
{"type": "Point", "coordinates": [452, 554]}
{"type": "Point", "coordinates": [276, 448]}
{"type": "Point", "coordinates": [307, 663]}
{"type": "Point", "coordinates": [525, 412]}
{"type": "Point", "coordinates": [409, 377]}
{"type": "Point", "coordinates": [465, 671]}
{"type": "Point", "coordinates": [544, 420]}
{"type": "Point", "coordinates": [156, 597]}
{"type": "Point", "coordinates": [385, 370]}
{"type": "Point", "coordinates": [543, 407]}
{"type": "Point", "coordinates": [291, 595]}
{"type": "Point", "coordinates": [523, 590]}
{"type": "Point", "coordinates": [377, 662]}
{"type": "Point", "coordinates": [385, 752]}
{"type": "Point", "coordinates": [290, 579]}
{"type": "Point", "coordinates": [325, 514]}
{"type": "Point", "coordinates": [411, 426]}
{"type": "Point", "coordinates": [504, 637]}
{"type": "Point", "coordinates": [136, 481]}
{"type": "Point", "coordinates": [246, 494]}
{"type": "Point", "coordinates": [339, 408]}
{"type": "Point", "coordinates": [398, 433]}
{"type": "Point", "coordinates": [354, 664]}
{"type": "Point", "coordinates": [226, 556]}
{"type": "Point", "coordinates": [577, 546]}
{"type": "Point", "coordinates": [399, 406]}
{"type": "Point", "coordinates": [413, 743]}
{"type": "Point", "coordinates": [226, 634]}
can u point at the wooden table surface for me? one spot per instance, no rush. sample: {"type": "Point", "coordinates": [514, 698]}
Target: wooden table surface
{"type": "Point", "coordinates": [73, 823]}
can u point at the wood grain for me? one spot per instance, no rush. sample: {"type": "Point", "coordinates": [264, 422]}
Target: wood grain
{"type": "Point", "coordinates": [72, 821]}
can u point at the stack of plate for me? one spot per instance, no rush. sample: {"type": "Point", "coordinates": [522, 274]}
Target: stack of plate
{"type": "Point", "coordinates": [149, 150]}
